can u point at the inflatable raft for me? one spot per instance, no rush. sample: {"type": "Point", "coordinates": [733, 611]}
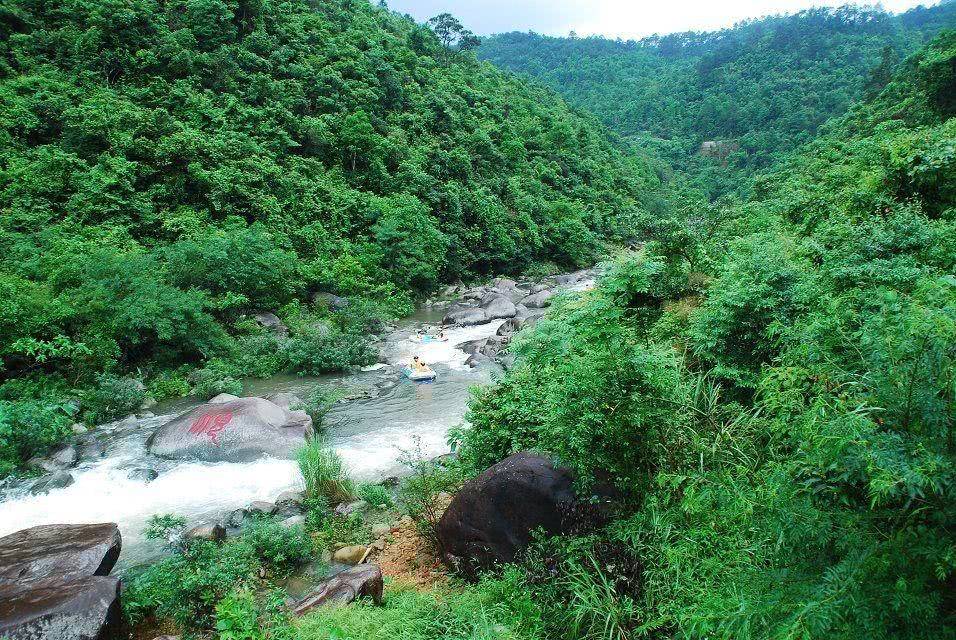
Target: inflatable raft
{"type": "Point", "coordinates": [427, 339]}
{"type": "Point", "coordinates": [419, 376]}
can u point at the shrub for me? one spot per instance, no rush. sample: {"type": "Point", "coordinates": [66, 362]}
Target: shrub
{"type": "Point", "coordinates": [275, 545]}
{"type": "Point", "coordinates": [318, 404]}
{"type": "Point", "coordinates": [334, 529]}
{"type": "Point", "coordinates": [237, 617]}
{"type": "Point", "coordinates": [421, 492]}
{"type": "Point", "coordinates": [215, 378]}
{"type": "Point", "coordinates": [188, 585]}
{"type": "Point", "coordinates": [169, 384]}
{"type": "Point", "coordinates": [167, 527]}
{"type": "Point", "coordinates": [29, 428]}
{"type": "Point", "coordinates": [376, 495]}
{"type": "Point", "coordinates": [318, 349]}
{"type": "Point", "coordinates": [587, 587]}
{"type": "Point", "coordinates": [112, 398]}
{"type": "Point", "coordinates": [324, 473]}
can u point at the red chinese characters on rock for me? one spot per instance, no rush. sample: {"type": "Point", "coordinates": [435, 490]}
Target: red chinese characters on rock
{"type": "Point", "coordinates": [211, 424]}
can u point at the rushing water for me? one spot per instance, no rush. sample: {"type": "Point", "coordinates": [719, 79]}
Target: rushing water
{"type": "Point", "coordinates": [370, 434]}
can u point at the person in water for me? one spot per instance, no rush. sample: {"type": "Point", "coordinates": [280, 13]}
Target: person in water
{"type": "Point", "coordinates": [418, 365]}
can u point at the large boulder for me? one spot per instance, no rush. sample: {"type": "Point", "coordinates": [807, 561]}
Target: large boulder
{"type": "Point", "coordinates": [271, 322]}
{"type": "Point", "coordinates": [82, 608]}
{"type": "Point", "coordinates": [56, 480]}
{"type": "Point", "coordinates": [472, 346]}
{"type": "Point", "coordinates": [465, 316]}
{"type": "Point", "coordinates": [239, 430]}
{"type": "Point", "coordinates": [510, 289]}
{"type": "Point", "coordinates": [538, 300]}
{"type": "Point", "coordinates": [497, 306]}
{"type": "Point", "coordinates": [62, 551]}
{"type": "Point", "coordinates": [491, 519]}
{"type": "Point", "coordinates": [363, 581]}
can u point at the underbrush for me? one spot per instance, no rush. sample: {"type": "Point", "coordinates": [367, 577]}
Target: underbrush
{"type": "Point", "coordinates": [496, 608]}
{"type": "Point", "coordinates": [187, 586]}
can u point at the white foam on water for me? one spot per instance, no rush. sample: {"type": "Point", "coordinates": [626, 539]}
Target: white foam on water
{"type": "Point", "coordinates": [438, 352]}
{"type": "Point", "coordinates": [415, 420]}
{"type": "Point", "coordinates": [104, 493]}
{"type": "Point", "coordinates": [369, 456]}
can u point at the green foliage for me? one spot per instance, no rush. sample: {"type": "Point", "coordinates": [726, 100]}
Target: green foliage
{"type": "Point", "coordinates": [168, 170]}
{"type": "Point", "coordinates": [414, 248]}
{"type": "Point", "coordinates": [112, 398]}
{"type": "Point", "coordinates": [30, 427]}
{"type": "Point", "coordinates": [167, 527]}
{"type": "Point", "coordinates": [318, 404]}
{"type": "Point", "coordinates": [323, 473]}
{"type": "Point", "coordinates": [376, 495]}
{"type": "Point", "coordinates": [493, 609]}
{"type": "Point", "coordinates": [190, 586]}
{"type": "Point", "coordinates": [237, 617]}
{"type": "Point", "coordinates": [332, 530]}
{"type": "Point", "coordinates": [780, 423]}
{"type": "Point", "coordinates": [421, 493]}
{"type": "Point", "coordinates": [279, 547]}
{"type": "Point", "coordinates": [215, 378]}
{"type": "Point", "coordinates": [765, 85]}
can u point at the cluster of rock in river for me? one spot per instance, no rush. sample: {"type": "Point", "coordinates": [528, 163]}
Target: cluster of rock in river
{"type": "Point", "coordinates": [518, 304]}
{"type": "Point", "coordinates": [55, 580]}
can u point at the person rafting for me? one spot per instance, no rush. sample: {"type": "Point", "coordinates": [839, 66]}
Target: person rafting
{"type": "Point", "coordinates": [418, 371]}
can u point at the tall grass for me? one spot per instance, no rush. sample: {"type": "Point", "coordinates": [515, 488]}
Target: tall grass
{"type": "Point", "coordinates": [324, 473]}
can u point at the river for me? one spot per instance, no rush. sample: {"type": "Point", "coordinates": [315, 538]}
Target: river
{"type": "Point", "coordinates": [371, 434]}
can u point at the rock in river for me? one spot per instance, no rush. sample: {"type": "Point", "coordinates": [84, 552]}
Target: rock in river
{"type": "Point", "coordinates": [56, 480]}
{"type": "Point", "coordinates": [538, 300]}
{"type": "Point", "coordinates": [59, 550]}
{"type": "Point", "coordinates": [239, 430]}
{"type": "Point", "coordinates": [493, 515]}
{"type": "Point", "coordinates": [86, 608]}
{"type": "Point", "coordinates": [497, 306]}
{"type": "Point", "coordinates": [465, 316]}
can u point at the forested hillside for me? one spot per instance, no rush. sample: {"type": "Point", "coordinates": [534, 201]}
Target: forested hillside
{"type": "Point", "coordinates": [765, 84]}
{"type": "Point", "coordinates": [167, 168]}
{"type": "Point", "coordinates": [770, 387]}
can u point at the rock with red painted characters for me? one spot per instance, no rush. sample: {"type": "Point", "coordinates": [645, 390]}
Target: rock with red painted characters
{"type": "Point", "coordinates": [239, 430]}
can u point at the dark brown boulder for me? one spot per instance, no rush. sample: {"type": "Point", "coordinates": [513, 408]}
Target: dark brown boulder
{"type": "Point", "coordinates": [84, 608]}
{"type": "Point", "coordinates": [491, 519]}
{"type": "Point", "coordinates": [63, 551]}
{"type": "Point", "coordinates": [362, 581]}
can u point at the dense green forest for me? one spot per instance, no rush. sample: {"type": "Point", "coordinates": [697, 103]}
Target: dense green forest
{"type": "Point", "coordinates": [771, 388]}
{"type": "Point", "coordinates": [766, 84]}
{"type": "Point", "coordinates": [760, 390]}
{"type": "Point", "coordinates": [168, 168]}
{"type": "Point", "coordinates": [762, 395]}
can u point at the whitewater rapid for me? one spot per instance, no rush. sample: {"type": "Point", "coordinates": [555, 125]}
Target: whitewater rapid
{"type": "Point", "coordinates": [372, 436]}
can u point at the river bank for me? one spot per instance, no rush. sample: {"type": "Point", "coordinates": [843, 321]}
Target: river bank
{"type": "Point", "coordinates": [115, 479]}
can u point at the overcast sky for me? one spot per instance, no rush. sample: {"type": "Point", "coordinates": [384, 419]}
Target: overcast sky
{"type": "Point", "coordinates": [612, 18]}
